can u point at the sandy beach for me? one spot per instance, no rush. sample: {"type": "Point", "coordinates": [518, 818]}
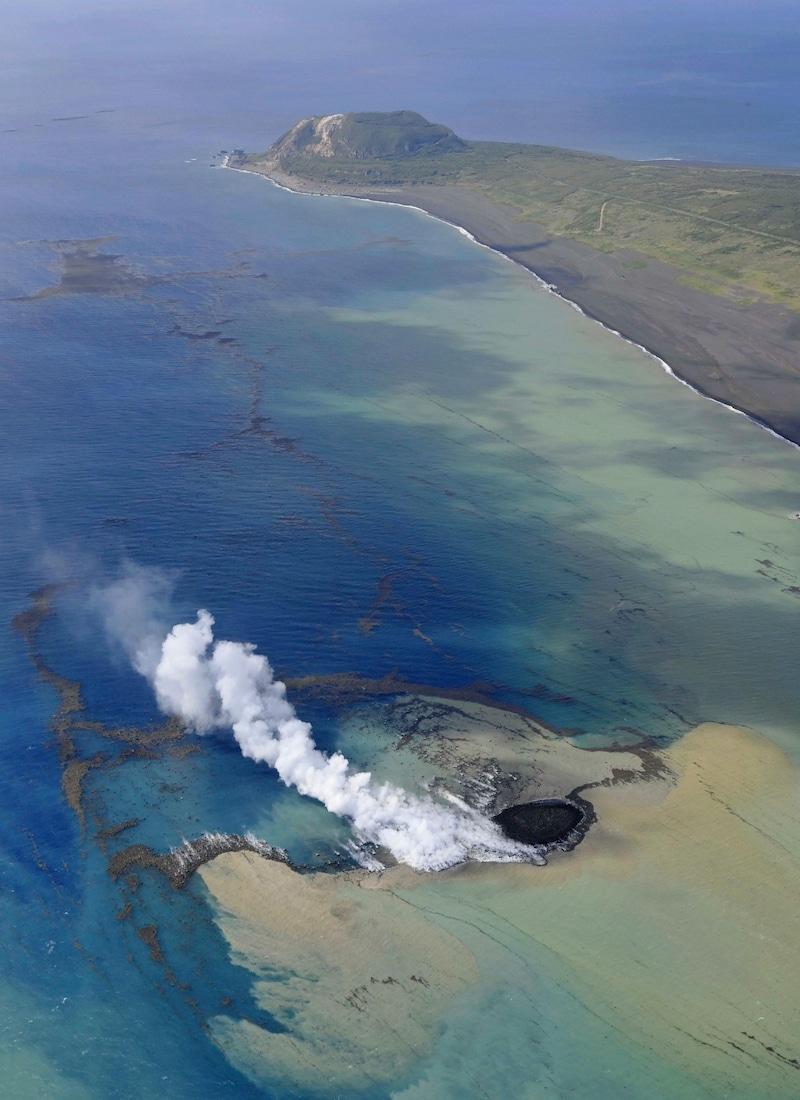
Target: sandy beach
{"type": "Point", "coordinates": [744, 355]}
{"type": "Point", "coordinates": [694, 866]}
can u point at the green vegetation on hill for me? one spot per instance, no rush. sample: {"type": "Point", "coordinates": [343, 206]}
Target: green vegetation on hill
{"type": "Point", "coordinates": [732, 231]}
{"type": "Point", "coordinates": [396, 133]}
{"type": "Point", "coordinates": [368, 135]}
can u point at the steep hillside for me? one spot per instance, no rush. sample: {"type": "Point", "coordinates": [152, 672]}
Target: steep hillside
{"type": "Point", "coordinates": [364, 135]}
{"type": "Point", "coordinates": [733, 232]}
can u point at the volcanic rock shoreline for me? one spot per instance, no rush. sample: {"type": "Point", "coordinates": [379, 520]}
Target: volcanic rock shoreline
{"type": "Point", "coordinates": [746, 356]}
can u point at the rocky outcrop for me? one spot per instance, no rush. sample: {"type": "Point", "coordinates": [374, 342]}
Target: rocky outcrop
{"type": "Point", "coordinates": [365, 134]}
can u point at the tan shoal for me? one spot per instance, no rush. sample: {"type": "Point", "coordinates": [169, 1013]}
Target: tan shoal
{"type": "Point", "coordinates": [360, 977]}
{"type": "Point", "coordinates": [676, 922]}
{"type": "Point", "coordinates": [678, 918]}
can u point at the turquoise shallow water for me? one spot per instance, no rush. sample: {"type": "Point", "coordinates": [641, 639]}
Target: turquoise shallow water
{"type": "Point", "coordinates": [394, 452]}
{"type": "Point", "coordinates": [555, 515]}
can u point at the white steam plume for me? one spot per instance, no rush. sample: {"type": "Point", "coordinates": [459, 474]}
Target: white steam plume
{"type": "Point", "coordinates": [227, 684]}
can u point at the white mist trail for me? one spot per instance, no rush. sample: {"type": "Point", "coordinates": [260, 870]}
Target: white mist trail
{"type": "Point", "coordinates": [222, 684]}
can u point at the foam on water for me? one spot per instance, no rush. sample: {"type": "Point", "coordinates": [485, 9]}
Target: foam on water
{"type": "Point", "coordinates": [211, 684]}
{"type": "Point", "coordinates": [398, 455]}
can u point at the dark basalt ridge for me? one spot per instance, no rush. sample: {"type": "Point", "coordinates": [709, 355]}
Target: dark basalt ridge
{"type": "Point", "coordinates": [181, 863]}
{"type": "Point", "coordinates": [547, 821]}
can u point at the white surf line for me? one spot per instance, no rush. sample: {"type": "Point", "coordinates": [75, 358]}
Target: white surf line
{"type": "Point", "coordinates": [549, 287]}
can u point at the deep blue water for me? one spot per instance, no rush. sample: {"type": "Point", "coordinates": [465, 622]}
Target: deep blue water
{"type": "Point", "coordinates": [125, 439]}
{"type": "Point", "coordinates": [715, 80]}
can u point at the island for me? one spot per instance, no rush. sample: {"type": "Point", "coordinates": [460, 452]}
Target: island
{"type": "Point", "coordinates": [697, 263]}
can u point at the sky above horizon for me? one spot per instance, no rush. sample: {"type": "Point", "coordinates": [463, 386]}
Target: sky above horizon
{"type": "Point", "coordinates": [618, 77]}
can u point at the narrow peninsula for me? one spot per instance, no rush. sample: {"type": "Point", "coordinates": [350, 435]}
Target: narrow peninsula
{"type": "Point", "coordinates": [700, 264]}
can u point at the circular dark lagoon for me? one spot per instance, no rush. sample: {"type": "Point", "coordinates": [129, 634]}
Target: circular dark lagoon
{"type": "Point", "coordinates": [544, 822]}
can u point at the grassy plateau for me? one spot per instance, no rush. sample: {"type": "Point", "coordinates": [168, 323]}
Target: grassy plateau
{"type": "Point", "coordinates": [732, 231]}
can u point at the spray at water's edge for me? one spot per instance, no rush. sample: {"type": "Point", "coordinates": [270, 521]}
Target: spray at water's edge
{"type": "Point", "coordinates": [213, 684]}
{"type": "Point", "coordinates": [221, 684]}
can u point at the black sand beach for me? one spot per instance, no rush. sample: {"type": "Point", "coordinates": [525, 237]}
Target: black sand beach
{"type": "Point", "coordinates": [745, 355]}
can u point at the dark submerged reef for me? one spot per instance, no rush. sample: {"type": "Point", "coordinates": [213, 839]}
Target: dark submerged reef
{"type": "Point", "coordinates": [69, 721]}
{"type": "Point", "coordinates": [159, 913]}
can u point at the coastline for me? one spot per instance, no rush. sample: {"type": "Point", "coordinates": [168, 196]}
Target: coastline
{"type": "Point", "coordinates": [743, 356]}
{"type": "Point", "coordinates": [382, 966]}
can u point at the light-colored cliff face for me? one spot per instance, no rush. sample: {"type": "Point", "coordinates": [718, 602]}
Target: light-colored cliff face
{"type": "Point", "coordinates": [312, 137]}
{"type": "Point", "coordinates": [366, 134]}
{"type": "Point", "coordinates": [325, 130]}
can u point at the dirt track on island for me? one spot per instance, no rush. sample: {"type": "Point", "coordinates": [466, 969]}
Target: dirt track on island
{"type": "Point", "coordinates": [746, 355]}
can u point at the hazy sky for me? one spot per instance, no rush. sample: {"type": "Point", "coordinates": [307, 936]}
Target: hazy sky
{"type": "Point", "coordinates": [589, 73]}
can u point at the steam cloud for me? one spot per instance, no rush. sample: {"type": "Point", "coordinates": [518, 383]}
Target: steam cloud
{"type": "Point", "coordinates": [223, 684]}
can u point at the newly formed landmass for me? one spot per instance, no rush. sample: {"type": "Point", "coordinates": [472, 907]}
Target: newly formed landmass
{"type": "Point", "coordinates": [698, 263]}
{"type": "Point", "coordinates": [346, 982]}
{"type": "Point", "coordinates": [675, 923]}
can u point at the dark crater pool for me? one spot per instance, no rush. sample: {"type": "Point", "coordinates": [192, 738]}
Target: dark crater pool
{"type": "Point", "coordinates": [544, 822]}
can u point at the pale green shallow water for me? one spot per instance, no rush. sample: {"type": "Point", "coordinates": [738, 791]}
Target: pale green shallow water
{"type": "Point", "coordinates": [556, 517]}
{"type": "Point", "coordinates": [545, 438]}
{"type": "Point", "coordinates": [684, 507]}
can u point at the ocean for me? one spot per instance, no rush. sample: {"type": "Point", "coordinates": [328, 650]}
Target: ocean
{"type": "Point", "coordinates": [372, 449]}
